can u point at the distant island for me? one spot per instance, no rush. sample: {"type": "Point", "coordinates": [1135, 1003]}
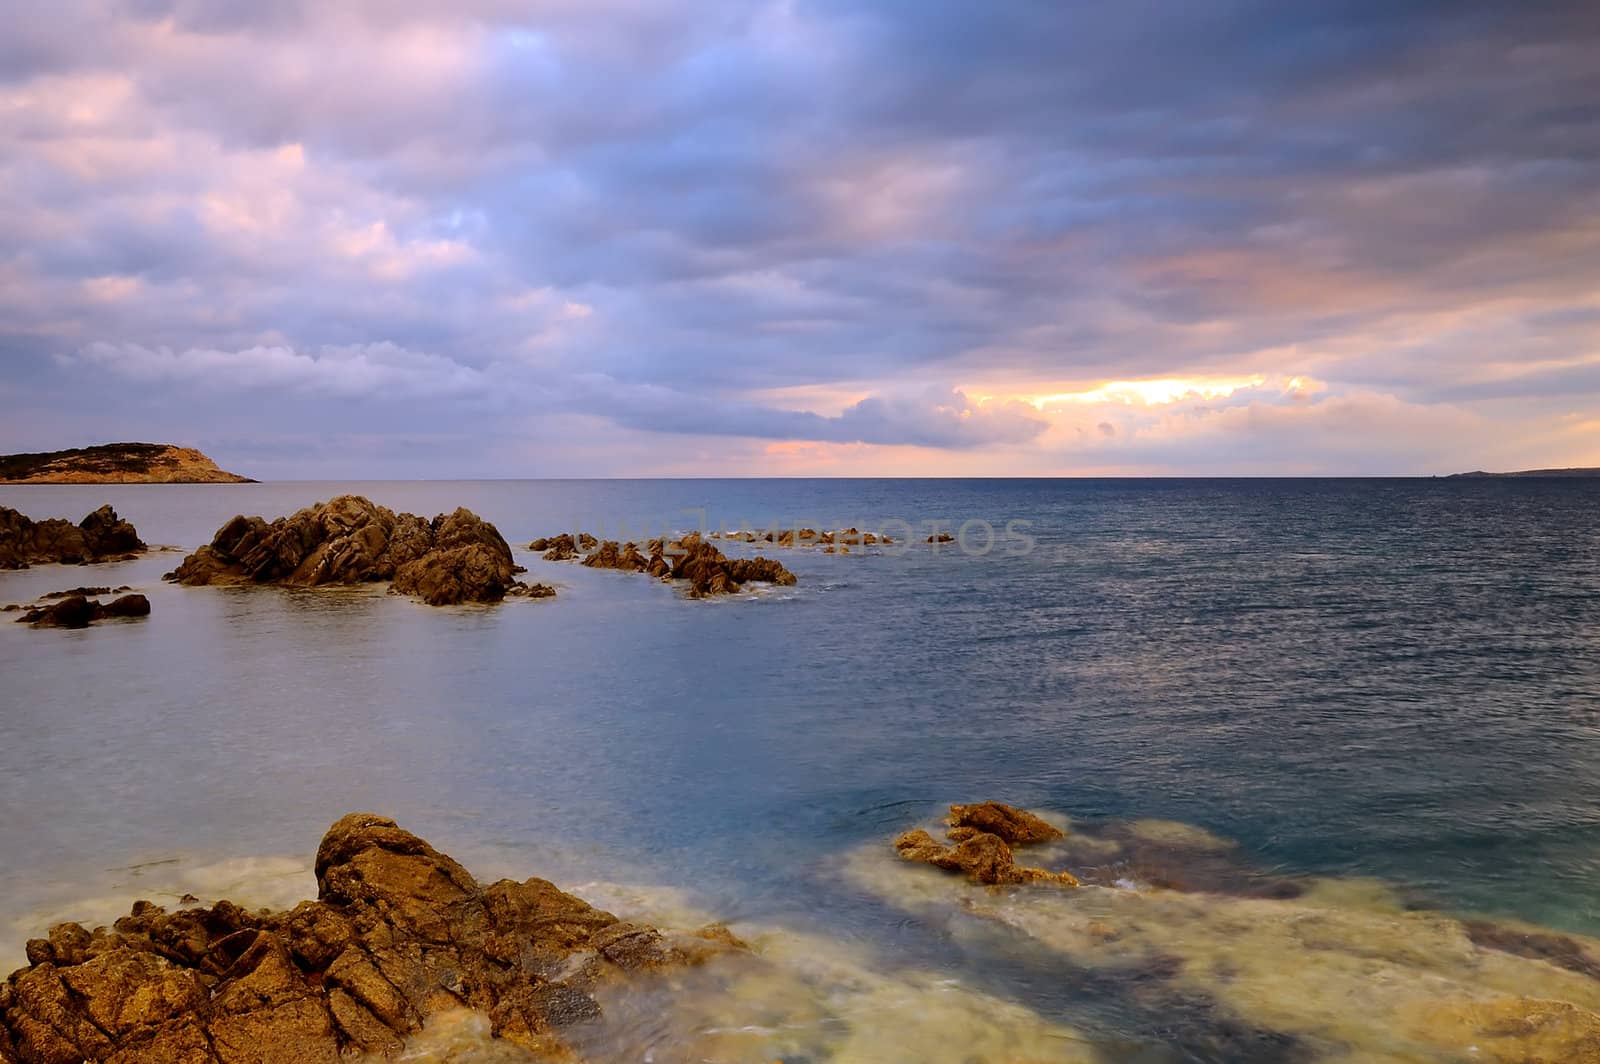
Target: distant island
{"type": "Point", "coordinates": [1573, 473]}
{"type": "Point", "coordinates": [116, 463]}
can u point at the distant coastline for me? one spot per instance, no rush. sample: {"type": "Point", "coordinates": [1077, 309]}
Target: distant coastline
{"type": "Point", "coordinates": [116, 463]}
{"type": "Point", "coordinates": [1573, 473]}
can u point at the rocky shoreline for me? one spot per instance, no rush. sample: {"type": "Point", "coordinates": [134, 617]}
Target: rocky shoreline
{"type": "Point", "coordinates": [405, 954]}
{"type": "Point", "coordinates": [399, 934]}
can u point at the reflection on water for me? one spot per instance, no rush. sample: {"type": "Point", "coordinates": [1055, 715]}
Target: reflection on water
{"type": "Point", "coordinates": [1385, 682]}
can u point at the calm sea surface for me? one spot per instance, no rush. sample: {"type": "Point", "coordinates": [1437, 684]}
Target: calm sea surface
{"type": "Point", "coordinates": [1394, 679]}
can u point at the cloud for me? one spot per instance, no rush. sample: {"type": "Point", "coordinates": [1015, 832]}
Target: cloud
{"type": "Point", "coordinates": [905, 202]}
{"type": "Point", "coordinates": [949, 420]}
{"type": "Point", "coordinates": [367, 371]}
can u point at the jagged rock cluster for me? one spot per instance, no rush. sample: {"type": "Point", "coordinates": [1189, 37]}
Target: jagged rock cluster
{"type": "Point", "coordinates": [399, 932]}
{"type": "Point", "coordinates": [80, 611]}
{"type": "Point", "coordinates": [692, 558]}
{"type": "Point", "coordinates": [454, 558]}
{"type": "Point", "coordinates": [984, 835]}
{"type": "Point", "coordinates": [838, 541]}
{"type": "Point", "coordinates": [100, 537]}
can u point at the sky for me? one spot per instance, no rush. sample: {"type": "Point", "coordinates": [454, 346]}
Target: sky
{"type": "Point", "coordinates": [489, 238]}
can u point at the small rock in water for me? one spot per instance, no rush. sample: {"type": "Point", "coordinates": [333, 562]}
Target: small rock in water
{"type": "Point", "coordinates": [983, 835]}
{"type": "Point", "coordinates": [76, 611]}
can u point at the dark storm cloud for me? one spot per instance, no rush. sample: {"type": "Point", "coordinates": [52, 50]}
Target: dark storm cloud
{"type": "Point", "coordinates": [508, 201]}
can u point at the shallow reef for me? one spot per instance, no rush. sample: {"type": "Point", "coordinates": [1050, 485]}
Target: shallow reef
{"type": "Point", "coordinates": [1306, 969]}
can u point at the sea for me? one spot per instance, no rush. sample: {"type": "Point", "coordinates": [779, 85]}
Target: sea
{"type": "Point", "coordinates": [1387, 688]}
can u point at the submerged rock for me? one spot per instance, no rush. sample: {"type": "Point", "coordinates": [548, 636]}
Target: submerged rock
{"type": "Point", "coordinates": [77, 611]}
{"type": "Point", "coordinates": [1340, 970]}
{"type": "Point", "coordinates": [454, 558]}
{"type": "Point", "coordinates": [399, 933]}
{"type": "Point", "coordinates": [983, 835]}
{"type": "Point", "coordinates": [83, 591]}
{"type": "Point", "coordinates": [101, 536]}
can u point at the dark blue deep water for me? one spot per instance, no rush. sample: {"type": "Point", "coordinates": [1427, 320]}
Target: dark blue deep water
{"type": "Point", "coordinates": [1386, 678]}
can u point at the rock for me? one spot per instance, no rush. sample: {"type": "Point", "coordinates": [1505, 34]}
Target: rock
{"type": "Point", "coordinates": [565, 547]}
{"type": "Point", "coordinates": [399, 933]}
{"type": "Point", "coordinates": [474, 573]}
{"type": "Point", "coordinates": [76, 611]}
{"type": "Point", "coordinates": [762, 570]}
{"type": "Point", "coordinates": [77, 591]}
{"type": "Point", "coordinates": [523, 590]}
{"type": "Point", "coordinates": [942, 537]}
{"type": "Point", "coordinates": [693, 559]}
{"type": "Point", "coordinates": [983, 835]}
{"type": "Point", "coordinates": [101, 536]}
{"type": "Point", "coordinates": [455, 558]}
{"type": "Point", "coordinates": [614, 555]}
{"type": "Point", "coordinates": [1016, 826]}
{"type": "Point", "coordinates": [127, 606]}
{"type": "Point", "coordinates": [108, 534]}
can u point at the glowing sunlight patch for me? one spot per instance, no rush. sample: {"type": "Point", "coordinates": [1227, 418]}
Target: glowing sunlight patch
{"type": "Point", "coordinates": [1151, 392]}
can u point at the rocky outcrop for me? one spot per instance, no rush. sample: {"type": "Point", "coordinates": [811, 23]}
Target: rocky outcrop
{"type": "Point", "coordinates": [100, 537]}
{"type": "Point", "coordinates": [399, 933]}
{"type": "Point", "coordinates": [454, 558]}
{"type": "Point", "coordinates": [78, 611]}
{"type": "Point", "coordinates": [693, 559]}
{"type": "Point", "coordinates": [614, 555]}
{"type": "Point", "coordinates": [983, 835]}
{"type": "Point", "coordinates": [116, 463]}
{"type": "Point", "coordinates": [843, 538]}
{"type": "Point", "coordinates": [565, 547]}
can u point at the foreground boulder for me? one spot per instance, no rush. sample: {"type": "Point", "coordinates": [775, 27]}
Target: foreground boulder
{"type": "Point", "coordinates": [399, 933]}
{"type": "Point", "coordinates": [78, 611]}
{"type": "Point", "coordinates": [100, 537]}
{"type": "Point", "coordinates": [693, 559]}
{"type": "Point", "coordinates": [983, 836]}
{"type": "Point", "coordinates": [454, 558]}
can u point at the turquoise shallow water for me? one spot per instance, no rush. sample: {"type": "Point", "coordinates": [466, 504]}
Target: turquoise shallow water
{"type": "Point", "coordinates": [1394, 679]}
